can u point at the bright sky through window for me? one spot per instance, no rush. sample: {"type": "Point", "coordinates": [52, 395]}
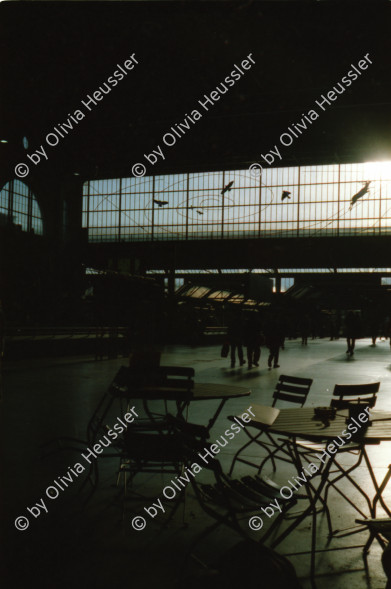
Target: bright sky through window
{"type": "Point", "coordinates": [19, 206]}
{"type": "Point", "coordinates": [285, 202]}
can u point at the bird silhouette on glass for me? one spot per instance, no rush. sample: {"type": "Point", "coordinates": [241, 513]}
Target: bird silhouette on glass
{"type": "Point", "coordinates": [359, 194]}
{"type": "Point", "coordinates": [200, 212]}
{"type": "Point", "coordinates": [161, 203]}
{"type": "Point", "coordinates": [227, 188]}
{"type": "Point", "coordinates": [285, 194]}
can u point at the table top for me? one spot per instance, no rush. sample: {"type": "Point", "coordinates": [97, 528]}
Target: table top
{"type": "Point", "coordinates": [207, 390]}
{"type": "Point", "coordinates": [302, 423]}
{"type": "Point", "coordinates": [202, 391]}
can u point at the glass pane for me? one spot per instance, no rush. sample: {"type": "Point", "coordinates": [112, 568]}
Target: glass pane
{"type": "Point", "coordinates": [330, 200]}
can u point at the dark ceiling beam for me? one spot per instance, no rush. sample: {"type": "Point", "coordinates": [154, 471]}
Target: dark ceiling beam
{"type": "Point", "coordinates": [319, 252]}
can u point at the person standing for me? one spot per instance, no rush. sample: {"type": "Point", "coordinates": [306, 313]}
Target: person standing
{"type": "Point", "coordinates": [374, 324]}
{"type": "Point", "coordinates": [235, 337]}
{"type": "Point", "coordinates": [252, 338]}
{"type": "Point", "coordinates": [352, 328]}
{"type": "Point", "coordinates": [305, 328]}
{"type": "Point", "coordinates": [274, 339]}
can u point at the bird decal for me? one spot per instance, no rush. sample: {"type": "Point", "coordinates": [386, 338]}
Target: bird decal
{"type": "Point", "coordinates": [227, 188]}
{"type": "Point", "coordinates": [359, 194]}
{"type": "Point", "coordinates": [161, 203]}
{"type": "Point", "coordinates": [200, 212]}
{"type": "Point", "coordinates": [285, 194]}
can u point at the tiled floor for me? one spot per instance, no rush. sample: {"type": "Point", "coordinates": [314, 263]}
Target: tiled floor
{"type": "Point", "coordinates": [95, 546]}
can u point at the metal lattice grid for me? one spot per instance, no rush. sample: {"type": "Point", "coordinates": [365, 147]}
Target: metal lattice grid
{"type": "Point", "coordinates": [303, 201]}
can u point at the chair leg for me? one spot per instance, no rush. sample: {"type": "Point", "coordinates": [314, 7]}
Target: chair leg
{"type": "Point", "coordinates": [313, 549]}
{"type": "Point", "coordinates": [368, 544]}
{"type": "Point", "coordinates": [274, 526]}
{"type": "Point", "coordinates": [272, 453]}
{"type": "Point", "coordinates": [235, 458]}
{"type": "Point", "coordinates": [345, 474]}
{"type": "Point", "coordinates": [181, 499]}
{"type": "Point", "coordinates": [246, 445]}
{"type": "Point", "coordinates": [270, 457]}
{"type": "Point", "coordinates": [325, 508]}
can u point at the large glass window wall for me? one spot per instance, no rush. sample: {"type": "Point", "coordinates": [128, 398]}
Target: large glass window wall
{"type": "Point", "coordinates": [302, 201]}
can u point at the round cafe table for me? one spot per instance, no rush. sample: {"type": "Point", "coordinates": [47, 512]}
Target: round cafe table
{"type": "Point", "coordinates": [302, 424]}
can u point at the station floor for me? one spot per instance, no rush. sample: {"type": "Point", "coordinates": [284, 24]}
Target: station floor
{"type": "Point", "coordinates": [94, 545]}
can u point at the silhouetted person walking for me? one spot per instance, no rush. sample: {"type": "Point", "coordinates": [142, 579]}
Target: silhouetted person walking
{"type": "Point", "coordinates": [305, 328]}
{"type": "Point", "coordinates": [252, 338]}
{"type": "Point", "coordinates": [352, 327]}
{"type": "Point", "coordinates": [235, 338]}
{"type": "Point", "coordinates": [274, 339]}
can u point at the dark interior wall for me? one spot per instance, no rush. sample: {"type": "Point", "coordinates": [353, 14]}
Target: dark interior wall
{"type": "Point", "coordinates": [66, 50]}
{"type": "Point", "coordinates": [41, 275]}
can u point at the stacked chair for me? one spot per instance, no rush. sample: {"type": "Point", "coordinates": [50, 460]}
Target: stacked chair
{"type": "Point", "coordinates": [225, 499]}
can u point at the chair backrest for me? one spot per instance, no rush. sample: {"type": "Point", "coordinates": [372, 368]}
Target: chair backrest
{"type": "Point", "coordinates": [175, 383]}
{"type": "Point", "coordinates": [292, 389]}
{"type": "Point", "coordinates": [345, 394]}
{"type": "Point", "coordinates": [176, 441]}
{"type": "Point", "coordinates": [162, 382]}
{"type": "Point", "coordinates": [176, 377]}
{"type": "Point", "coordinates": [191, 435]}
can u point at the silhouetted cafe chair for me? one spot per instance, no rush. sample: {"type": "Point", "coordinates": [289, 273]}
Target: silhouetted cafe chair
{"type": "Point", "coordinates": [227, 500]}
{"type": "Point", "coordinates": [379, 528]}
{"type": "Point", "coordinates": [161, 383]}
{"type": "Point", "coordinates": [160, 450]}
{"type": "Point", "coordinates": [313, 486]}
{"type": "Point", "coordinates": [291, 389]}
{"type": "Point", "coordinates": [355, 398]}
{"type": "Point", "coordinates": [147, 445]}
{"type": "Point", "coordinates": [346, 394]}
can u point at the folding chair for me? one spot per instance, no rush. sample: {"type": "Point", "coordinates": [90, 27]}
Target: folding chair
{"type": "Point", "coordinates": [225, 499]}
{"type": "Point", "coordinates": [314, 496]}
{"type": "Point", "coordinates": [379, 528]}
{"type": "Point", "coordinates": [289, 388]}
{"type": "Point", "coordinates": [163, 383]}
{"type": "Point", "coordinates": [158, 450]}
{"type": "Point", "coordinates": [147, 445]}
{"type": "Point", "coordinates": [346, 394]}
{"type": "Point", "coordinates": [343, 397]}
